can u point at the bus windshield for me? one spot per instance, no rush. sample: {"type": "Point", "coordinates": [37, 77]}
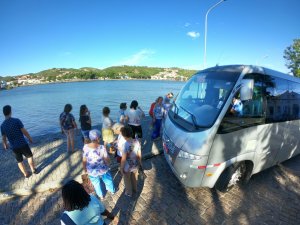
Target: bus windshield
{"type": "Point", "coordinates": [202, 98]}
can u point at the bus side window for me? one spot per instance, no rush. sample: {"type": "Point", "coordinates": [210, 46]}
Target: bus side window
{"type": "Point", "coordinates": [277, 95]}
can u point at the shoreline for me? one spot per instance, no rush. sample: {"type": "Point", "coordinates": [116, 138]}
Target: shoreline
{"type": "Point", "coordinates": [90, 80]}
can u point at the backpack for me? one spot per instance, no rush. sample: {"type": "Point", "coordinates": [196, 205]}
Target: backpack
{"type": "Point", "coordinates": [66, 120]}
{"type": "Point", "coordinates": [152, 109]}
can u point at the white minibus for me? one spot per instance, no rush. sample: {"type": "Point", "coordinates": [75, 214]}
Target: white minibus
{"type": "Point", "coordinates": [230, 122]}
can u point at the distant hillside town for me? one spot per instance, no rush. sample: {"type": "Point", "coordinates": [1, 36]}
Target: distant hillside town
{"type": "Point", "coordinates": [87, 73]}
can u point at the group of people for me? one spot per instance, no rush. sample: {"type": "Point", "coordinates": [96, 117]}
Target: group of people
{"type": "Point", "coordinates": [82, 208]}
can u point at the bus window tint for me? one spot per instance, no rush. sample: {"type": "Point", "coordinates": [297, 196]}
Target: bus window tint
{"type": "Point", "coordinates": [252, 110]}
{"type": "Point", "coordinates": [277, 96]}
{"type": "Point", "coordinates": [283, 100]}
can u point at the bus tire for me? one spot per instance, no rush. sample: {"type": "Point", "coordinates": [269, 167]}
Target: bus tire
{"type": "Point", "coordinates": [231, 176]}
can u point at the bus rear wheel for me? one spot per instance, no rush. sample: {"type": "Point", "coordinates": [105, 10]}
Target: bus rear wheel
{"type": "Point", "coordinates": [231, 176]}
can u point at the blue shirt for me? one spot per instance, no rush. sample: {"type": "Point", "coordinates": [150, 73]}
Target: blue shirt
{"type": "Point", "coordinates": [158, 111]}
{"type": "Point", "coordinates": [11, 128]}
{"type": "Point", "coordinates": [88, 215]}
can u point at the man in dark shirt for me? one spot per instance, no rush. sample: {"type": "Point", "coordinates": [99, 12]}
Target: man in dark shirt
{"type": "Point", "coordinates": [12, 129]}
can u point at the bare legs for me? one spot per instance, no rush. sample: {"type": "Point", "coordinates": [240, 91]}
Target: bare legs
{"type": "Point", "coordinates": [70, 139]}
{"type": "Point", "coordinates": [31, 164]}
{"type": "Point", "coordinates": [23, 169]}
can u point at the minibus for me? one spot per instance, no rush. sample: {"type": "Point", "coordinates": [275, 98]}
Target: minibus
{"type": "Point", "coordinates": [230, 122]}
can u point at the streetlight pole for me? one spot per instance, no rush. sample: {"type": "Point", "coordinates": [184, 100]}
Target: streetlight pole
{"type": "Point", "coordinates": [205, 29]}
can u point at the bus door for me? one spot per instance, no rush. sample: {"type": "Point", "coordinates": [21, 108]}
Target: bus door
{"type": "Point", "coordinates": [246, 132]}
{"type": "Point", "coordinates": [271, 134]}
{"type": "Point", "coordinates": [237, 133]}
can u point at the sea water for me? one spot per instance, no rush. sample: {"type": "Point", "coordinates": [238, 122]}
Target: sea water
{"type": "Point", "coordinates": [39, 106]}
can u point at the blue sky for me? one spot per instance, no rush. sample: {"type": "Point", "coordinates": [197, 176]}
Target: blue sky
{"type": "Point", "coordinates": [40, 34]}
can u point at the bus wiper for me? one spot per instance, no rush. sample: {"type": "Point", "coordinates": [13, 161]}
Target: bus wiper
{"type": "Point", "coordinates": [175, 110]}
{"type": "Point", "coordinates": [192, 116]}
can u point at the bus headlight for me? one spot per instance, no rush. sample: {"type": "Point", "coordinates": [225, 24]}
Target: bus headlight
{"type": "Point", "coordinates": [186, 155]}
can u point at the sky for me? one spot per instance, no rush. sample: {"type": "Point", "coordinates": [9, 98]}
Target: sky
{"type": "Point", "coordinates": [36, 35]}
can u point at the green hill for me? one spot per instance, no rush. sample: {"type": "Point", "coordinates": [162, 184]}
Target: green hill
{"type": "Point", "coordinates": [114, 72]}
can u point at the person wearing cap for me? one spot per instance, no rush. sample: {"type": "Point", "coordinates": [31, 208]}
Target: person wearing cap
{"type": "Point", "coordinates": [96, 164]}
{"type": "Point", "coordinates": [122, 118]}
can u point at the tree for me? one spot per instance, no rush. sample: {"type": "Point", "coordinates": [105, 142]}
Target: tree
{"type": "Point", "coordinates": [292, 57]}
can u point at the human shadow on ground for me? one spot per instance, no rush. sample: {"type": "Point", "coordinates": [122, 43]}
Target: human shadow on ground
{"type": "Point", "coordinates": [59, 168]}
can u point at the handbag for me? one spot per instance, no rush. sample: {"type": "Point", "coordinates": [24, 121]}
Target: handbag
{"type": "Point", "coordinates": [87, 184]}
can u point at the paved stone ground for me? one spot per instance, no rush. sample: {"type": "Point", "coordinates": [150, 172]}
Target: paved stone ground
{"type": "Point", "coordinates": [56, 166]}
{"type": "Point", "coordinates": [271, 197]}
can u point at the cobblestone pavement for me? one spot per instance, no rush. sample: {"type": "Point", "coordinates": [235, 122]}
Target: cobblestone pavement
{"type": "Point", "coordinates": [271, 197]}
{"type": "Point", "coordinates": [56, 166]}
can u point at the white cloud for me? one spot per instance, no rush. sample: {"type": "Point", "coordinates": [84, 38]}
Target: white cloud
{"type": "Point", "coordinates": [66, 53]}
{"type": "Point", "coordinates": [193, 34]}
{"type": "Point", "coordinates": [187, 24]}
{"type": "Point", "coordinates": [138, 57]}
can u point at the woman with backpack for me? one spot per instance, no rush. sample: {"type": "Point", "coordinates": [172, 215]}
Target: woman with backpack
{"type": "Point", "coordinates": [68, 126]}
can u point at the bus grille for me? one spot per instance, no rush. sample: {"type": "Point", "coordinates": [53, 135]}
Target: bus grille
{"type": "Point", "coordinates": [170, 148]}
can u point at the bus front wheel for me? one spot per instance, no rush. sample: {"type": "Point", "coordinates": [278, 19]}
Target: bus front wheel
{"type": "Point", "coordinates": [232, 175]}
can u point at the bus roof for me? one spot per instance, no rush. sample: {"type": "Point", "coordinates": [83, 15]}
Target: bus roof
{"type": "Point", "coordinates": [252, 69]}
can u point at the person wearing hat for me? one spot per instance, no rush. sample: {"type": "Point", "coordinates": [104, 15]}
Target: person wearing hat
{"type": "Point", "coordinates": [96, 164]}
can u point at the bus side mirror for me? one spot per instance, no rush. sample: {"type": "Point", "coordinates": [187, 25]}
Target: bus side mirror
{"type": "Point", "coordinates": [246, 92]}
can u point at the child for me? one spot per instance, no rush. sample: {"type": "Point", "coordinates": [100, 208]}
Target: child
{"type": "Point", "coordinates": [122, 118]}
{"type": "Point", "coordinates": [120, 141]}
{"type": "Point", "coordinates": [85, 122]}
{"type": "Point", "coordinates": [107, 132]}
{"type": "Point", "coordinates": [68, 126]}
{"type": "Point", "coordinates": [130, 162]}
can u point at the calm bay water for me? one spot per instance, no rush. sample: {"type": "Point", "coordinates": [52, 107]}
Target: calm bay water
{"type": "Point", "coordinates": [40, 106]}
